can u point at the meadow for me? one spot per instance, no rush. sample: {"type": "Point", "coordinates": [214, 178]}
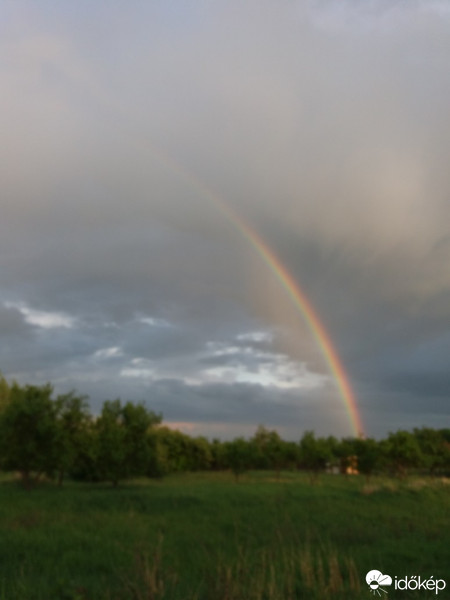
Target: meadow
{"type": "Point", "coordinates": [204, 536]}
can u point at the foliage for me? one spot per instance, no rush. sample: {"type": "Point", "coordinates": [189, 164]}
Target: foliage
{"type": "Point", "coordinates": [4, 392]}
{"type": "Point", "coordinates": [218, 455]}
{"type": "Point", "coordinates": [123, 448]}
{"type": "Point", "coordinates": [315, 453]}
{"type": "Point", "coordinates": [180, 452]}
{"type": "Point", "coordinates": [402, 451]}
{"type": "Point", "coordinates": [72, 425]}
{"type": "Point", "coordinates": [434, 449]}
{"type": "Point", "coordinates": [271, 452]}
{"type": "Point", "coordinates": [29, 432]}
{"type": "Point", "coordinates": [239, 455]}
{"type": "Point", "coordinates": [368, 455]}
{"type": "Point", "coordinates": [40, 435]}
{"type": "Point", "coordinates": [137, 421]}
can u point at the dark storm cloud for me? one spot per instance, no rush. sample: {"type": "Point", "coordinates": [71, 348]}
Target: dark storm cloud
{"type": "Point", "coordinates": [323, 124]}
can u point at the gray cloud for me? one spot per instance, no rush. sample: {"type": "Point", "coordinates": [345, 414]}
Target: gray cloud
{"type": "Point", "coordinates": [323, 125]}
{"type": "Point", "coordinates": [13, 327]}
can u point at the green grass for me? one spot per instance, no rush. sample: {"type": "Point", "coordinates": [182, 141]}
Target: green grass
{"type": "Point", "coordinates": [203, 536]}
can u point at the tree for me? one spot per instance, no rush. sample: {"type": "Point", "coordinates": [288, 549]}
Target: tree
{"type": "Point", "coordinates": [314, 454]}
{"type": "Point", "coordinates": [123, 446]}
{"type": "Point", "coordinates": [433, 448]}
{"type": "Point", "coordinates": [4, 392]}
{"type": "Point", "coordinates": [111, 442]}
{"type": "Point", "coordinates": [158, 464]}
{"type": "Point", "coordinates": [445, 434]}
{"type": "Point", "coordinates": [369, 456]}
{"type": "Point", "coordinates": [137, 421]}
{"type": "Point", "coordinates": [73, 421]}
{"type": "Point", "coordinates": [200, 456]}
{"type": "Point", "coordinates": [402, 452]}
{"type": "Point", "coordinates": [270, 450]}
{"type": "Point", "coordinates": [173, 449]}
{"type": "Point", "coordinates": [86, 465]}
{"type": "Point", "coordinates": [29, 432]}
{"type": "Point", "coordinates": [346, 451]}
{"type": "Point", "coordinates": [239, 456]}
{"type": "Point", "coordinates": [218, 454]}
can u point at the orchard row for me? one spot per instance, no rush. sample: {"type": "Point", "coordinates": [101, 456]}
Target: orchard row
{"type": "Point", "coordinates": [57, 437]}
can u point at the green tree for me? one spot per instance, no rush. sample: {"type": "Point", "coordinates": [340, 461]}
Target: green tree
{"type": "Point", "coordinates": [29, 432]}
{"type": "Point", "coordinates": [200, 456]}
{"type": "Point", "coordinates": [345, 451]}
{"type": "Point", "coordinates": [315, 454]}
{"type": "Point", "coordinates": [239, 456]}
{"type": "Point", "coordinates": [4, 392]}
{"type": "Point", "coordinates": [368, 452]}
{"type": "Point", "coordinates": [73, 427]}
{"type": "Point", "coordinates": [270, 451]}
{"type": "Point", "coordinates": [218, 455]}
{"type": "Point", "coordinates": [137, 421]}
{"type": "Point", "coordinates": [176, 447]}
{"type": "Point", "coordinates": [402, 452]}
{"type": "Point", "coordinates": [86, 465]}
{"type": "Point", "coordinates": [158, 464]}
{"type": "Point", "coordinates": [433, 448]}
{"type": "Point", "coordinates": [110, 451]}
{"type": "Point", "coordinates": [122, 443]}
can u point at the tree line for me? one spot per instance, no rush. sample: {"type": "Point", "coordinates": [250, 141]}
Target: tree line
{"type": "Point", "coordinates": [58, 437]}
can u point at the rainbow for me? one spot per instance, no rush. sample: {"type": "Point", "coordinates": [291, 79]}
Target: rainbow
{"type": "Point", "coordinates": [287, 281]}
{"type": "Point", "coordinates": [270, 258]}
{"type": "Point", "coordinates": [302, 303]}
{"type": "Point", "coordinates": [293, 289]}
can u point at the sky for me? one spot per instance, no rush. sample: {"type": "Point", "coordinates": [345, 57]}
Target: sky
{"type": "Point", "coordinates": [129, 133]}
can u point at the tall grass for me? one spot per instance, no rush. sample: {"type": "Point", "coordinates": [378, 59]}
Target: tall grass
{"type": "Point", "coordinates": [267, 576]}
{"type": "Point", "coordinates": [202, 537]}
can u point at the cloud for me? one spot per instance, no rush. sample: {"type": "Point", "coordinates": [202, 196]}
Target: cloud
{"type": "Point", "coordinates": [324, 126]}
{"type": "Point", "coordinates": [247, 364]}
{"type": "Point", "coordinates": [12, 324]}
{"type": "Point", "coordinates": [41, 318]}
{"type": "Point", "coordinates": [105, 353]}
{"type": "Point", "coordinates": [255, 336]}
{"type": "Point", "coordinates": [152, 322]}
{"type": "Point", "coordinates": [140, 372]}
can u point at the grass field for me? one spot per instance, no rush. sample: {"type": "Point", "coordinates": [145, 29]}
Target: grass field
{"type": "Point", "coordinates": [203, 536]}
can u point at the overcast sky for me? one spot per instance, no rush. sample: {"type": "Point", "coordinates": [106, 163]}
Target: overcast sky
{"type": "Point", "coordinates": [323, 124]}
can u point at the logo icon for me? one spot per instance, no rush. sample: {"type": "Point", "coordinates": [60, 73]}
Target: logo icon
{"type": "Point", "coordinates": [375, 580]}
